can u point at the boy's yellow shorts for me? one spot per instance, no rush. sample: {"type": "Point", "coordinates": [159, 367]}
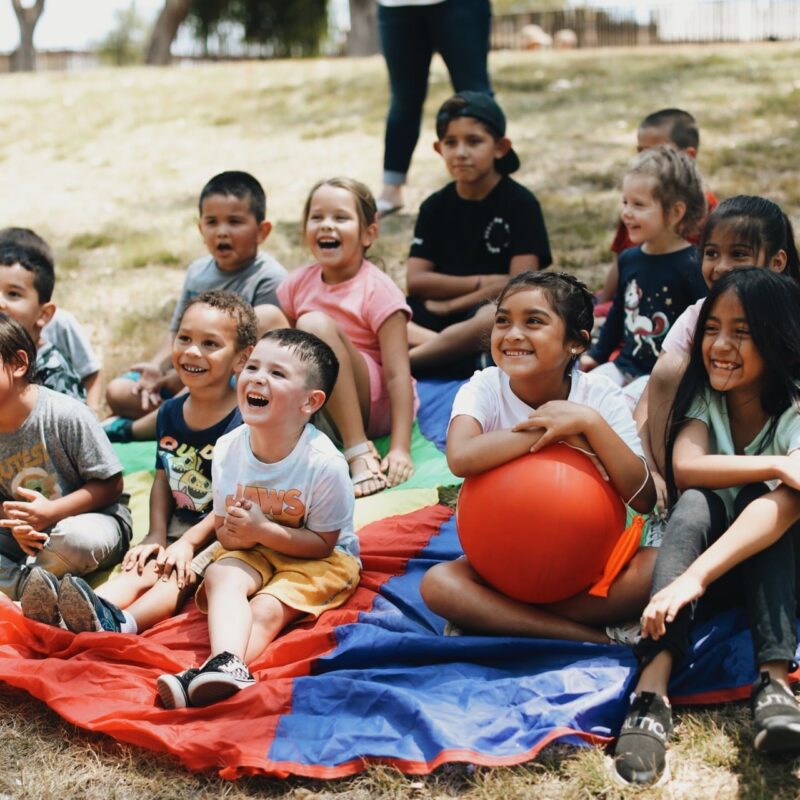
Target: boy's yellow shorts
{"type": "Point", "coordinates": [308, 585]}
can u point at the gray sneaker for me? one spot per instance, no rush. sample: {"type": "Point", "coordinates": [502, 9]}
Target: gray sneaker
{"type": "Point", "coordinates": [39, 598]}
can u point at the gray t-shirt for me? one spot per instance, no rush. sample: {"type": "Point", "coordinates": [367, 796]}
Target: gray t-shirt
{"type": "Point", "coordinates": [58, 448]}
{"type": "Point", "coordinates": [65, 332]}
{"type": "Point", "coordinates": [257, 282]}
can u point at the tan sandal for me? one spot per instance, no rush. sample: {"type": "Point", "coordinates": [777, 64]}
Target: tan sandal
{"type": "Point", "coordinates": [366, 453]}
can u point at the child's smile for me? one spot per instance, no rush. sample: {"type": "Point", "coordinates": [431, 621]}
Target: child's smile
{"type": "Point", "coordinates": [731, 359]}
{"type": "Point", "coordinates": [528, 338]}
{"type": "Point", "coordinates": [205, 351]}
{"type": "Point", "coordinates": [334, 233]}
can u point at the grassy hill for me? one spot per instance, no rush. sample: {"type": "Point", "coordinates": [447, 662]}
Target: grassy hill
{"type": "Point", "coordinates": [107, 165]}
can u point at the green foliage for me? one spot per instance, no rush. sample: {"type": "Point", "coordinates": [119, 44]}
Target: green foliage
{"type": "Point", "coordinates": [287, 27]}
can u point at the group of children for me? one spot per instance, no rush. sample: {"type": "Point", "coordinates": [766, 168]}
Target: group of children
{"type": "Point", "coordinates": [265, 395]}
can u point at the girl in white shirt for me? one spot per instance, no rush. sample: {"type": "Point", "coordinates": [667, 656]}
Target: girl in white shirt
{"type": "Point", "coordinates": [533, 398]}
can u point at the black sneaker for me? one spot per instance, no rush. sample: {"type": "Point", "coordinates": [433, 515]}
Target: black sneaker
{"type": "Point", "coordinates": [173, 690]}
{"type": "Point", "coordinates": [39, 598]}
{"type": "Point", "coordinates": [222, 676]}
{"type": "Point", "coordinates": [82, 610]}
{"type": "Point", "coordinates": [640, 757]}
{"type": "Point", "coordinates": [777, 716]}
{"type": "Point", "coordinates": [119, 429]}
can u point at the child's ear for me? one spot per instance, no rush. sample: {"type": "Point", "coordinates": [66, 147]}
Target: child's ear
{"type": "Point", "coordinates": [241, 359]}
{"type": "Point", "coordinates": [264, 230]}
{"type": "Point", "coordinates": [778, 262]}
{"type": "Point", "coordinates": [437, 146]}
{"type": "Point", "coordinates": [19, 366]}
{"type": "Point", "coordinates": [502, 146]}
{"type": "Point", "coordinates": [369, 235]}
{"type": "Point", "coordinates": [46, 311]}
{"type": "Point", "coordinates": [314, 401]}
{"type": "Point", "coordinates": [676, 213]}
{"type": "Point", "coordinates": [690, 151]}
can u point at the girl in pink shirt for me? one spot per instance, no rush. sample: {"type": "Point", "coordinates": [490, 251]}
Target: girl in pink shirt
{"type": "Point", "coordinates": [357, 309]}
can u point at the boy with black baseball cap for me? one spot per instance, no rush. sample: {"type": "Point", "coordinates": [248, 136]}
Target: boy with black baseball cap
{"type": "Point", "coordinates": [470, 237]}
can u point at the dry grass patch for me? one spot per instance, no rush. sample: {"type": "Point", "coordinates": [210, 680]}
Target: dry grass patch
{"type": "Point", "coordinates": [107, 165]}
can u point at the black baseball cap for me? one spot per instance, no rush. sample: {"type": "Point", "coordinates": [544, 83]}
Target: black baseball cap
{"type": "Point", "coordinates": [482, 107]}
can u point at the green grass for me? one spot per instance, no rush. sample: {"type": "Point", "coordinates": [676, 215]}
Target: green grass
{"type": "Point", "coordinates": [107, 166]}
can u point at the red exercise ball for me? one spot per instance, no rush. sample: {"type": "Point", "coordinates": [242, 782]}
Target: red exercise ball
{"type": "Point", "coordinates": [541, 527]}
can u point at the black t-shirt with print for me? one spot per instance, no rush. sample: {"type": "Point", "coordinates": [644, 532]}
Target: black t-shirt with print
{"type": "Point", "coordinates": [185, 455]}
{"type": "Point", "coordinates": [477, 237]}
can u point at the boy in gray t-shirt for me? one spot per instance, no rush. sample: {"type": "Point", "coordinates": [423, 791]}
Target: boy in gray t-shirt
{"type": "Point", "coordinates": [60, 481]}
{"type": "Point", "coordinates": [233, 225]}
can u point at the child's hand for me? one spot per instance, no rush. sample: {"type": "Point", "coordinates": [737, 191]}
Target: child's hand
{"type": "Point", "coordinates": [178, 557]}
{"type": "Point", "coordinates": [244, 523]}
{"type": "Point", "coordinates": [30, 540]}
{"type": "Point", "coordinates": [665, 605]}
{"type": "Point", "coordinates": [397, 466]}
{"type": "Point", "coordinates": [662, 496]}
{"type": "Point", "coordinates": [34, 510]}
{"type": "Point", "coordinates": [558, 419]}
{"type": "Point", "coordinates": [138, 556]}
{"type": "Point", "coordinates": [148, 387]}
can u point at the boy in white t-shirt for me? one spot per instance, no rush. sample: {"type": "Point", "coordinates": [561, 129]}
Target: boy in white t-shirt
{"type": "Point", "coordinates": [283, 507]}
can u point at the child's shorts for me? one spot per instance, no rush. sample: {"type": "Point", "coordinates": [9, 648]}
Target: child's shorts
{"type": "Point", "coordinates": [308, 585]}
{"type": "Point", "coordinates": [176, 528]}
{"type": "Point", "coordinates": [380, 408]}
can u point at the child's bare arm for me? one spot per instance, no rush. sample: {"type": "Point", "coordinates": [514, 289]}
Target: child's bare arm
{"type": "Point", "coordinates": [423, 281]}
{"type": "Point", "coordinates": [40, 513]}
{"type": "Point", "coordinates": [246, 526]}
{"type": "Point", "coordinates": [695, 467]}
{"type": "Point", "coordinates": [94, 391]}
{"type": "Point", "coordinates": [161, 505]}
{"type": "Point", "coordinates": [470, 451]}
{"type": "Point", "coordinates": [560, 419]}
{"type": "Point", "coordinates": [393, 339]}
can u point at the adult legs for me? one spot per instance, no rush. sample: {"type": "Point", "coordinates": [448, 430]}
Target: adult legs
{"type": "Point", "coordinates": [461, 30]}
{"type": "Point", "coordinates": [407, 49]}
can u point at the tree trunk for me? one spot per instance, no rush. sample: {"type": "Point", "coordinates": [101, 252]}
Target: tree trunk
{"type": "Point", "coordinates": [165, 29]}
{"type": "Point", "coordinates": [363, 37]}
{"type": "Point", "coordinates": [24, 57]}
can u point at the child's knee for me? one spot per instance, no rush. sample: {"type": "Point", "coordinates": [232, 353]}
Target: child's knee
{"type": "Point", "coordinates": [230, 574]}
{"type": "Point", "coordinates": [119, 389]}
{"type": "Point", "coordinates": [318, 323]}
{"type": "Point", "coordinates": [269, 318]}
{"type": "Point", "coordinates": [438, 586]}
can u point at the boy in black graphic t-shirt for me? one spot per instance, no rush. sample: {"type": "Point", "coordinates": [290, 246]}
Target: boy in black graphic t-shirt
{"type": "Point", "coordinates": [470, 237]}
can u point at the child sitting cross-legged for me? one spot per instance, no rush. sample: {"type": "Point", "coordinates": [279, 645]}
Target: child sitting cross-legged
{"type": "Point", "coordinates": [283, 508]}
{"type": "Point", "coordinates": [60, 482]}
{"type": "Point", "coordinates": [215, 335]}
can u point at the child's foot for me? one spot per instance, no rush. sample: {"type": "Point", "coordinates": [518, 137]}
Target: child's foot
{"type": "Point", "coordinates": [221, 676]}
{"type": "Point", "coordinates": [640, 757]}
{"type": "Point", "coordinates": [365, 469]}
{"type": "Point", "coordinates": [628, 633]}
{"type": "Point", "coordinates": [777, 716]}
{"type": "Point", "coordinates": [82, 610]}
{"type": "Point", "coordinates": [173, 690]}
{"type": "Point", "coordinates": [39, 598]}
{"type": "Point", "coordinates": [118, 429]}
